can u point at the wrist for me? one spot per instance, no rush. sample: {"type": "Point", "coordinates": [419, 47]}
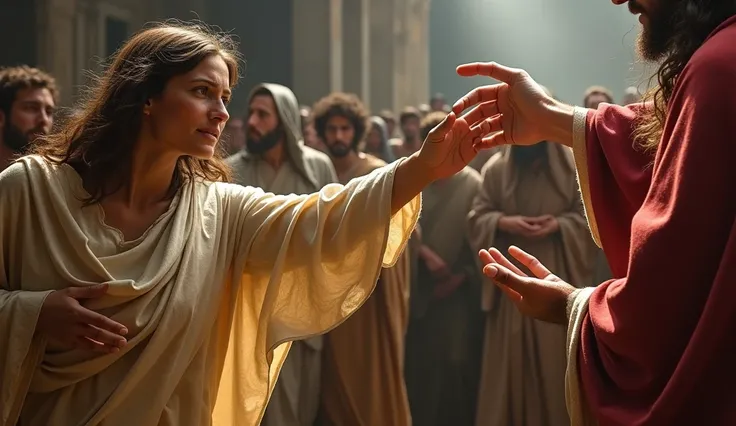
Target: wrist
{"type": "Point", "coordinates": [559, 123]}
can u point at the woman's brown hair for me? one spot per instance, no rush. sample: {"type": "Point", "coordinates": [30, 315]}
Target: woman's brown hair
{"type": "Point", "coordinates": [99, 137]}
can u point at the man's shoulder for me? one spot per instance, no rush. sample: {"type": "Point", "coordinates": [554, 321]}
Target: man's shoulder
{"type": "Point", "coordinates": [315, 156]}
{"type": "Point", "coordinates": [470, 174]}
{"type": "Point", "coordinates": [715, 61]}
{"type": "Point", "coordinates": [495, 164]}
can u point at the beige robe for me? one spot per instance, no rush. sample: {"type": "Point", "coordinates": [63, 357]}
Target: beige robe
{"type": "Point", "coordinates": [445, 336]}
{"type": "Point", "coordinates": [295, 399]}
{"type": "Point", "coordinates": [363, 368]}
{"type": "Point", "coordinates": [482, 158]}
{"type": "Point", "coordinates": [524, 359]}
{"type": "Point", "coordinates": [212, 294]}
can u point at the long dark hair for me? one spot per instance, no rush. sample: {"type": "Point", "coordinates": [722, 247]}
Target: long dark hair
{"type": "Point", "coordinates": [691, 23]}
{"type": "Point", "coordinates": [99, 137]}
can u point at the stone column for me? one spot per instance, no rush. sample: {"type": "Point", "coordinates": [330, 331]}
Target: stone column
{"type": "Point", "coordinates": [317, 49]}
{"type": "Point", "coordinates": [411, 55]}
{"type": "Point", "coordinates": [381, 63]}
{"type": "Point", "coordinates": [56, 50]}
{"type": "Point", "coordinates": [356, 48]}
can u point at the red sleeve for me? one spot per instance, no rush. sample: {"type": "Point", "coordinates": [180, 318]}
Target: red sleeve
{"type": "Point", "coordinates": [619, 178]}
{"type": "Point", "coordinates": [657, 346]}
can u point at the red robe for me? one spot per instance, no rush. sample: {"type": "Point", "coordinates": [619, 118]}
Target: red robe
{"type": "Point", "coordinates": [658, 345]}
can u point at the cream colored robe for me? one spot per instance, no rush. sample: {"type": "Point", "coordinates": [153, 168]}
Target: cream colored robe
{"type": "Point", "coordinates": [577, 309]}
{"type": "Point", "coordinates": [445, 337]}
{"type": "Point", "coordinates": [363, 368]}
{"type": "Point", "coordinates": [212, 294]}
{"type": "Point", "coordinates": [295, 398]}
{"type": "Point", "coordinates": [524, 360]}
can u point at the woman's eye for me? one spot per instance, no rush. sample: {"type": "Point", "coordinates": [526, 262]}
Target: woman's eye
{"type": "Point", "coordinates": [226, 100]}
{"type": "Point", "coordinates": [201, 91]}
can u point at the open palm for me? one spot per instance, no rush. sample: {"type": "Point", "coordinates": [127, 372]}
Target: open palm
{"type": "Point", "coordinates": [519, 100]}
{"type": "Point", "coordinates": [543, 297]}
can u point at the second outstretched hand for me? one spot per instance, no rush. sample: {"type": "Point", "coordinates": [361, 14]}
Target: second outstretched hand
{"type": "Point", "coordinates": [543, 296]}
{"type": "Point", "coordinates": [525, 113]}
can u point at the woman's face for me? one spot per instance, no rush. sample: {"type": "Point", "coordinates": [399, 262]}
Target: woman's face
{"type": "Point", "coordinates": [373, 140]}
{"type": "Point", "coordinates": [188, 117]}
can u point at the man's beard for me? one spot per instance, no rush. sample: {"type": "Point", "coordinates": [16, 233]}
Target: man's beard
{"type": "Point", "coordinates": [261, 145]}
{"type": "Point", "coordinates": [340, 149]}
{"type": "Point", "coordinates": [16, 140]}
{"type": "Point", "coordinates": [524, 156]}
{"type": "Point", "coordinates": [655, 39]}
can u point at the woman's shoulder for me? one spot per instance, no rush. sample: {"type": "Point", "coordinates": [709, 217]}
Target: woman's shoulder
{"type": "Point", "coordinates": [20, 171]}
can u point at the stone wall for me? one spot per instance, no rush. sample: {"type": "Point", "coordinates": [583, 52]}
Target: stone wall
{"type": "Point", "coordinates": [378, 49]}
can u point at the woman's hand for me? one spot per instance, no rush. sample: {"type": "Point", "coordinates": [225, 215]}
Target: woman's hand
{"type": "Point", "coordinates": [65, 321]}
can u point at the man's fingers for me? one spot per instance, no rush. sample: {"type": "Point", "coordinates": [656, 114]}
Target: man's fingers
{"type": "Point", "coordinates": [481, 112]}
{"type": "Point", "coordinates": [88, 292]}
{"type": "Point", "coordinates": [486, 127]}
{"type": "Point", "coordinates": [476, 96]}
{"type": "Point", "coordinates": [503, 275]}
{"type": "Point", "coordinates": [499, 258]}
{"type": "Point", "coordinates": [100, 321]}
{"type": "Point", "coordinates": [492, 141]}
{"type": "Point", "coordinates": [529, 261]}
{"type": "Point", "coordinates": [438, 133]}
{"type": "Point", "coordinates": [489, 69]}
{"type": "Point", "coordinates": [485, 257]}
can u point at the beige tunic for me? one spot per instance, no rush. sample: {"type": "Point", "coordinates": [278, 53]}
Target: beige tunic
{"type": "Point", "coordinates": [212, 294]}
{"type": "Point", "coordinates": [295, 399]}
{"type": "Point", "coordinates": [524, 360]}
{"type": "Point", "coordinates": [363, 369]}
{"type": "Point", "coordinates": [445, 336]}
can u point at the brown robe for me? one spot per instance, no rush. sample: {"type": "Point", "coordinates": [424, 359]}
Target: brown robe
{"type": "Point", "coordinates": [444, 341]}
{"type": "Point", "coordinates": [523, 378]}
{"type": "Point", "coordinates": [363, 364]}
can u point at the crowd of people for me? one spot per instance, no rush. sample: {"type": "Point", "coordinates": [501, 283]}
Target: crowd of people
{"type": "Point", "coordinates": [340, 267]}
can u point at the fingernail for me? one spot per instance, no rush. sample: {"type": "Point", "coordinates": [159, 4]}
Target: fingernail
{"type": "Point", "coordinates": [122, 343]}
{"type": "Point", "coordinates": [491, 271]}
{"type": "Point", "coordinates": [123, 331]}
{"type": "Point", "coordinates": [114, 349]}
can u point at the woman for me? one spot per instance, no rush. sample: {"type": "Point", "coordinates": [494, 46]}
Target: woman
{"type": "Point", "coordinates": [165, 293]}
{"type": "Point", "coordinates": [376, 141]}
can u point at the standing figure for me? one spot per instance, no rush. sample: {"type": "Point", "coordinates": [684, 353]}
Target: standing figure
{"type": "Point", "coordinates": [363, 378]}
{"type": "Point", "coordinates": [444, 341]}
{"type": "Point", "coordinates": [276, 160]}
{"type": "Point", "coordinates": [529, 198]}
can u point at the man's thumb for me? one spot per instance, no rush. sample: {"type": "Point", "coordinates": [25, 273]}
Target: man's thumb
{"type": "Point", "coordinates": [88, 292]}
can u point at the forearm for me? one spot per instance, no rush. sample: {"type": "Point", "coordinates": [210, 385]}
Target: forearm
{"type": "Point", "coordinates": [409, 180]}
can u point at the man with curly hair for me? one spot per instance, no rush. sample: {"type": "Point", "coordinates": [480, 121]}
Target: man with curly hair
{"type": "Point", "coordinates": [363, 368]}
{"type": "Point", "coordinates": [28, 98]}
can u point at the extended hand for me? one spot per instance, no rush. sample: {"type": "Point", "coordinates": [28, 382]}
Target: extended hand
{"type": "Point", "coordinates": [64, 320]}
{"type": "Point", "coordinates": [451, 145]}
{"type": "Point", "coordinates": [543, 298]}
{"type": "Point", "coordinates": [521, 105]}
